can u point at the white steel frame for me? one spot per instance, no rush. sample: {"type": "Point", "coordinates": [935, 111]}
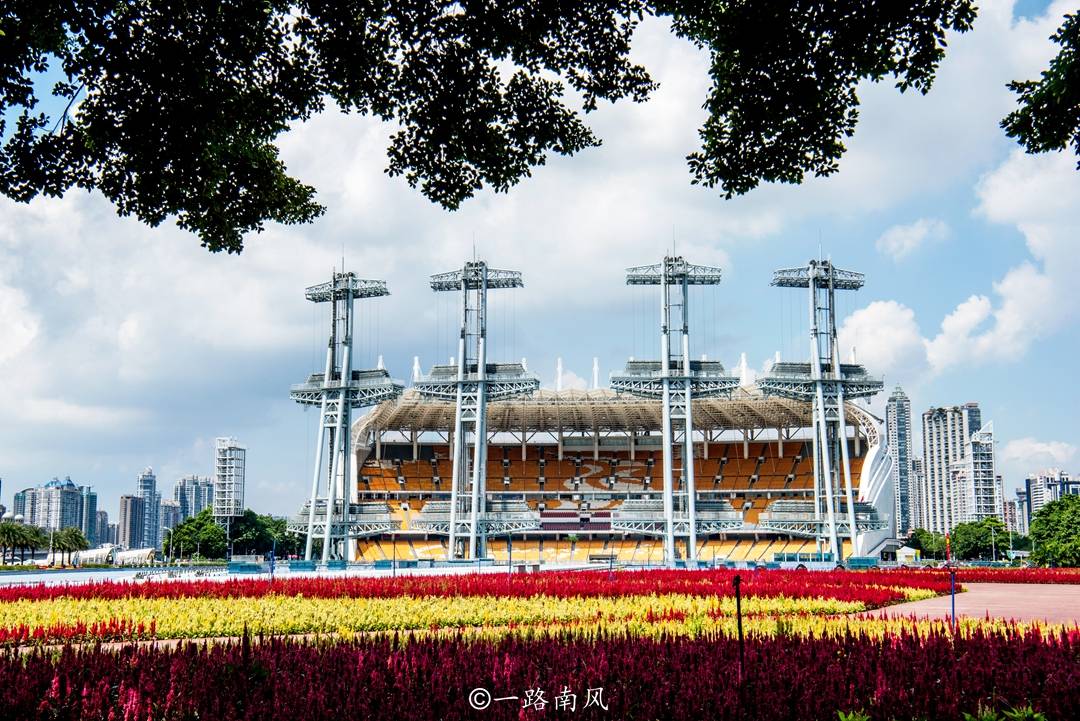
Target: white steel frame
{"type": "Point", "coordinates": [471, 390]}
{"type": "Point", "coordinates": [336, 393]}
{"type": "Point", "coordinates": [675, 276]}
{"type": "Point", "coordinates": [826, 391]}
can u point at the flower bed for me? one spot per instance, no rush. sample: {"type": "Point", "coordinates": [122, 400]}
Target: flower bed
{"type": "Point", "coordinates": [1015, 575]}
{"type": "Point", "coordinates": [929, 675]}
{"type": "Point", "coordinates": [119, 619]}
{"type": "Point", "coordinates": [641, 603]}
{"type": "Point", "coordinates": [843, 585]}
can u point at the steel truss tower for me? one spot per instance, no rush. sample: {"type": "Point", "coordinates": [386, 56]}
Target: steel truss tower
{"type": "Point", "coordinates": [676, 380]}
{"type": "Point", "coordinates": [826, 383]}
{"type": "Point", "coordinates": [333, 513]}
{"type": "Point", "coordinates": [472, 386]}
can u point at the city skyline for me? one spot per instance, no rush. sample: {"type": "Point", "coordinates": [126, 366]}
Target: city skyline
{"type": "Point", "coordinates": [966, 243]}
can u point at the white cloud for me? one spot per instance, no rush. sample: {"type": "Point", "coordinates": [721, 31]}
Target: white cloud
{"type": "Point", "coordinates": [900, 241]}
{"type": "Point", "coordinates": [571, 381]}
{"type": "Point", "coordinates": [1036, 297]}
{"type": "Point", "coordinates": [18, 324]}
{"type": "Point", "coordinates": [1034, 454]}
{"type": "Point", "coordinates": [885, 337]}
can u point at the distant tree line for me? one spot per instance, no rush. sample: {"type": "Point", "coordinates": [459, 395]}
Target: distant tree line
{"type": "Point", "coordinates": [1054, 539]}
{"type": "Point", "coordinates": [987, 539]}
{"type": "Point", "coordinates": [18, 539]}
{"type": "Point", "coordinates": [197, 537]}
{"type": "Point", "coordinates": [202, 537]}
{"type": "Point", "coordinates": [1055, 533]}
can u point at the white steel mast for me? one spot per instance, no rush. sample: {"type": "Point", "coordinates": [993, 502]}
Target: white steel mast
{"type": "Point", "coordinates": [676, 380]}
{"type": "Point", "coordinates": [331, 513]}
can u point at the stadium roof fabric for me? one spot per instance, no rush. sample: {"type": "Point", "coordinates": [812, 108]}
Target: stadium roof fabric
{"type": "Point", "coordinates": [596, 410]}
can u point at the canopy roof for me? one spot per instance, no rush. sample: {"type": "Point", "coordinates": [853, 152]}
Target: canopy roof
{"type": "Point", "coordinates": [594, 411]}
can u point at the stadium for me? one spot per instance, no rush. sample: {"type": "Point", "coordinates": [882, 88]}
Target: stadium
{"type": "Point", "coordinates": [780, 475]}
{"type": "Point", "coordinates": [576, 476]}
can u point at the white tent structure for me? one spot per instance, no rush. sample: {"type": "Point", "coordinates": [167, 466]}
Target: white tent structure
{"type": "Point", "coordinates": [98, 556]}
{"type": "Point", "coordinates": [135, 557]}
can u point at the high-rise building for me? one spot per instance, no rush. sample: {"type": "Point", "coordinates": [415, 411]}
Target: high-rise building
{"type": "Point", "coordinates": [146, 488]}
{"type": "Point", "coordinates": [194, 493]}
{"type": "Point", "coordinates": [131, 528]}
{"type": "Point", "coordinates": [898, 429]}
{"type": "Point", "coordinates": [915, 485]}
{"type": "Point", "coordinates": [1050, 485]}
{"type": "Point", "coordinates": [974, 485]}
{"type": "Point", "coordinates": [101, 529]}
{"type": "Point", "coordinates": [114, 534]}
{"type": "Point", "coordinates": [1014, 516]}
{"type": "Point", "coordinates": [170, 515]}
{"type": "Point", "coordinates": [57, 505]}
{"type": "Point", "coordinates": [229, 461]}
{"type": "Point", "coordinates": [946, 436]}
{"type": "Point", "coordinates": [1023, 507]}
{"type": "Point", "coordinates": [18, 503]}
{"type": "Point", "coordinates": [88, 515]}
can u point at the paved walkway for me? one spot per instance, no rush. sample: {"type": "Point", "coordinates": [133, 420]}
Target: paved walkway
{"type": "Point", "coordinates": [1052, 603]}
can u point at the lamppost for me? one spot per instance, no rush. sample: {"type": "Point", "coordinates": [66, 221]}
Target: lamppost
{"type": "Point", "coordinates": [993, 546]}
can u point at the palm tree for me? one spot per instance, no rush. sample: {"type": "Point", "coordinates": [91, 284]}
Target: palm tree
{"type": "Point", "coordinates": [33, 539]}
{"type": "Point", "coordinates": [77, 540]}
{"type": "Point", "coordinates": [58, 546]}
{"type": "Point", "coordinates": [9, 538]}
{"type": "Point", "coordinates": [68, 541]}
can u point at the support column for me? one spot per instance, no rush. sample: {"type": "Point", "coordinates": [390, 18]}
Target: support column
{"type": "Point", "coordinates": [332, 479]}
{"type": "Point", "coordinates": [458, 485]}
{"type": "Point", "coordinates": [841, 432]}
{"type": "Point", "coordinates": [665, 373]}
{"type": "Point", "coordinates": [688, 429]}
{"type": "Point", "coordinates": [480, 427]}
{"type": "Point", "coordinates": [821, 438]}
{"type": "Point", "coordinates": [348, 489]}
{"type": "Point", "coordinates": [318, 455]}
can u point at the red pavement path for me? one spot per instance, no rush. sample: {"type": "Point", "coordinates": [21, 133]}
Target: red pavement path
{"type": "Point", "coordinates": [1052, 603]}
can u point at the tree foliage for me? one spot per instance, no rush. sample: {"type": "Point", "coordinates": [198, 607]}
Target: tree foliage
{"type": "Point", "coordinates": [258, 534]}
{"type": "Point", "coordinates": [1055, 533]}
{"type": "Point", "coordinates": [784, 77]}
{"type": "Point", "coordinates": [985, 539]}
{"type": "Point", "coordinates": [198, 536]}
{"type": "Point", "coordinates": [20, 537]}
{"type": "Point", "coordinates": [931, 544]}
{"type": "Point", "coordinates": [250, 533]}
{"type": "Point", "coordinates": [1049, 114]}
{"type": "Point", "coordinates": [173, 107]}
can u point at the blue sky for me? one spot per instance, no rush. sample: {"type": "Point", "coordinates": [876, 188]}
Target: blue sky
{"type": "Point", "coordinates": [123, 346]}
